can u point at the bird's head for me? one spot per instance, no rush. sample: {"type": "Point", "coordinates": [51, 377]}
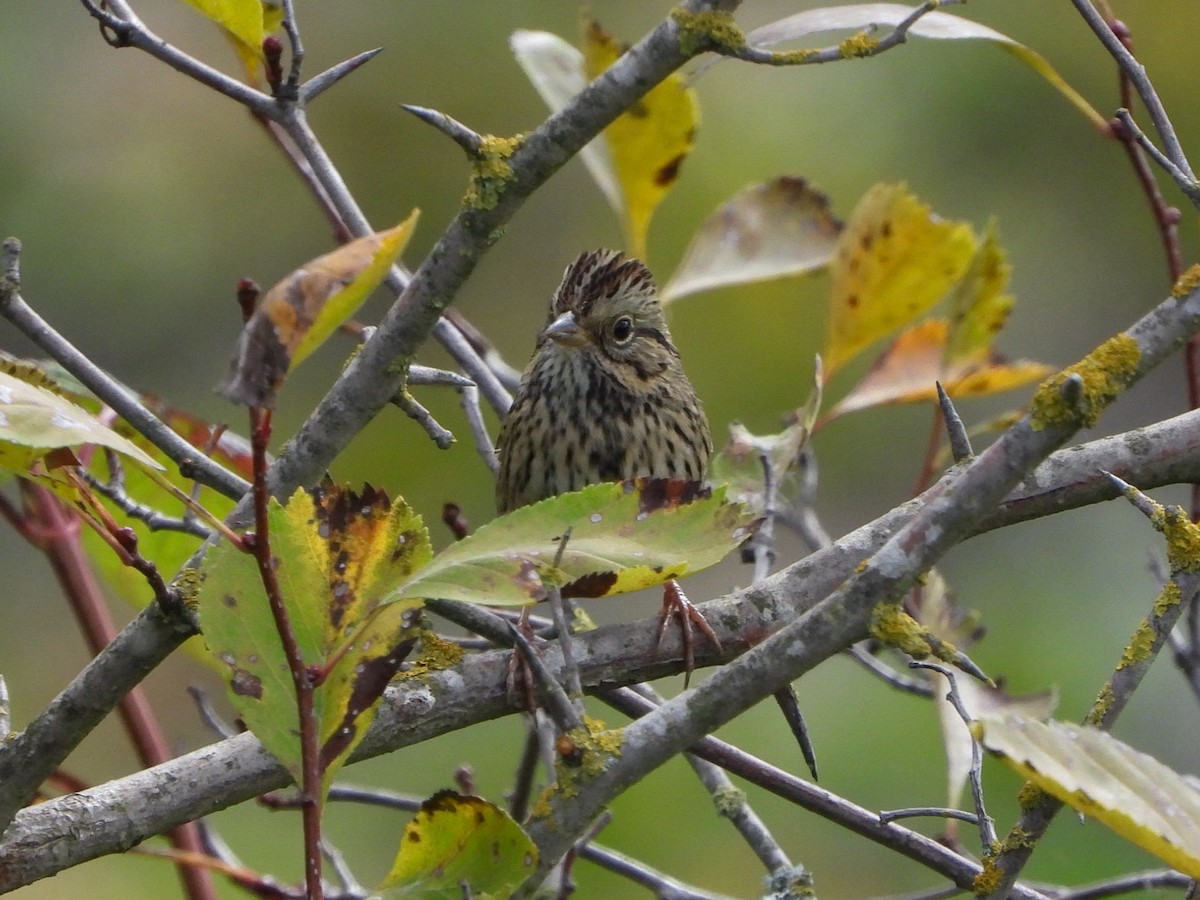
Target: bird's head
{"type": "Point", "coordinates": [607, 305]}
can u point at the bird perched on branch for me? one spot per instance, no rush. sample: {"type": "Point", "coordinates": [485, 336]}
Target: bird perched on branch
{"type": "Point", "coordinates": [605, 398]}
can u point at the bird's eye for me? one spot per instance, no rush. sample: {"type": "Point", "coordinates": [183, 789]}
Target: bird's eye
{"type": "Point", "coordinates": [622, 329]}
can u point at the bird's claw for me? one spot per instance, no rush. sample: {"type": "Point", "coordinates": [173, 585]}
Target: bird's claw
{"type": "Point", "coordinates": [676, 606]}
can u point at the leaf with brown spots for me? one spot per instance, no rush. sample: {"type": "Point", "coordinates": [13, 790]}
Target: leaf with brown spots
{"type": "Point", "coordinates": [777, 229]}
{"type": "Point", "coordinates": [622, 537]}
{"type": "Point", "coordinates": [339, 553]}
{"type": "Point", "coordinates": [296, 316]}
{"type": "Point", "coordinates": [460, 846]}
{"type": "Point", "coordinates": [894, 261]}
{"type": "Point", "coordinates": [648, 143]}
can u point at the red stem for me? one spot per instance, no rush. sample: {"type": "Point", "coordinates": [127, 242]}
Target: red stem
{"type": "Point", "coordinates": [56, 532]}
{"type": "Point", "coordinates": [302, 680]}
{"type": "Point", "coordinates": [1166, 217]}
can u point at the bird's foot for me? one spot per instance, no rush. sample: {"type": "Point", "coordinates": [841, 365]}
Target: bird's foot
{"type": "Point", "coordinates": [677, 607]}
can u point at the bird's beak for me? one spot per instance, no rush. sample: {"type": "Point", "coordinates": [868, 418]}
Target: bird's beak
{"type": "Point", "coordinates": [566, 330]}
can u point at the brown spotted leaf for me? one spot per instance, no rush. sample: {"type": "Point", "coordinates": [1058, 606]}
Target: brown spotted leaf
{"type": "Point", "coordinates": [649, 142]}
{"type": "Point", "coordinates": [296, 316]}
{"type": "Point", "coordinates": [338, 553]}
{"type": "Point", "coordinates": [460, 846]}
{"type": "Point", "coordinates": [623, 537]}
{"type": "Point", "coordinates": [895, 259]}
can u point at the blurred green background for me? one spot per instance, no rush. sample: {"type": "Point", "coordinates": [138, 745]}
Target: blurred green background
{"type": "Point", "coordinates": [141, 198]}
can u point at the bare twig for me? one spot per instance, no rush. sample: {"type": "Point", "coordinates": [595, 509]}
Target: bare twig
{"type": "Point", "coordinates": [987, 825]}
{"type": "Point", "coordinates": [470, 141]}
{"type": "Point", "coordinates": [1173, 153]}
{"type": "Point", "coordinates": [191, 462]}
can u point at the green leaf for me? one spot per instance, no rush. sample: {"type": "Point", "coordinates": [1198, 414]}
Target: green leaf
{"type": "Point", "coordinates": [35, 417]}
{"type": "Point", "coordinates": [623, 537]}
{"type": "Point", "coordinates": [337, 552]}
{"type": "Point", "coordinates": [776, 229]}
{"type": "Point", "coordinates": [460, 846]}
{"type": "Point", "coordinates": [1133, 794]}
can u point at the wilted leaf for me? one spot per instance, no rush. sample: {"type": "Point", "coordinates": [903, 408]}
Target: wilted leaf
{"type": "Point", "coordinates": [296, 316]}
{"type": "Point", "coordinates": [623, 537]}
{"type": "Point", "coordinates": [648, 143]}
{"type": "Point", "coordinates": [895, 259]}
{"type": "Point", "coordinates": [937, 25]}
{"type": "Point", "coordinates": [338, 553]}
{"type": "Point", "coordinates": [1132, 793]}
{"type": "Point", "coordinates": [35, 417]}
{"type": "Point", "coordinates": [556, 69]}
{"type": "Point", "coordinates": [907, 372]}
{"type": "Point", "coordinates": [775, 229]}
{"type": "Point", "coordinates": [460, 846]}
{"type": "Point", "coordinates": [739, 464]}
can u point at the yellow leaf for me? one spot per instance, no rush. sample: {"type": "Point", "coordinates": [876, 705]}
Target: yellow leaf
{"type": "Point", "coordinates": [301, 311]}
{"type": "Point", "coordinates": [979, 307]}
{"type": "Point", "coordinates": [1133, 794]}
{"type": "Point", "coordinates": [246, 22]}
{"type": "Point", "coordinates": [907, 372]}
{"type": "Point", "coordinates": [649, 142]}
{"type": "Point", "coordinates": [894, 260]}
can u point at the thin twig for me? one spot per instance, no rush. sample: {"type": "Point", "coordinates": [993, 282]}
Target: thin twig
{"type": "Point", "coordinates": [555, 701]}
{"type": "Point", "coordinates": [941, 812]}
{"type": "Point", "coordinates": [987, 825]}
{"type": "Point", "coordinates": [483, 441]}
{"type": "Point", "coordinates": [442, 437]}
{"type": "Point", "coordinates": [873, 664]}
{"type": "Point", "coordinates": [1145, 89]}
{"type": "Point", "coordinates": [562, 625]}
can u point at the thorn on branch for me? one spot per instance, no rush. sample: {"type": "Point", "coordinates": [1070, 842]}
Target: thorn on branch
{"type": "Point", "coordinates": [316, 86]}
{"type": "Point", "coordinates": [470, 141]}
{"type": "Point", "coordinates": [956, 431]}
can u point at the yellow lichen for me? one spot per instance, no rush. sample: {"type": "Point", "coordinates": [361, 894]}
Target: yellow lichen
{"type": "Point", "coordinates": [858, 45]}
{"type": "Point", "coordinates": [436, 654]}
{"type": "Point", "coordinates": [1103, 703]}
{"type": "Point", "coordinates": [1030, 796]}
{"type": "Point", "coordinates": [1187, 282]}
{"type": "Point", "coordinates": [709, 30]}
{"type": "Point", "coordinates": [988, 879]}
{"type": "Point", "coordinates": [896, 628]}
{"type": "Point", "coordinates": [1104, 374]}
{"type": "Point", "coordinates": [187, 585]}
{"type": "Point", "coordinates": [729, 802]}
{"type": "Point", "coordinates": [490, 171]}
{"type": "Point", "coordinates": [1183, 538]}
{"type": "Point", "coordinates": [1170, 598]}
{"type": "Point", "coordinates": [1140, 646]}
